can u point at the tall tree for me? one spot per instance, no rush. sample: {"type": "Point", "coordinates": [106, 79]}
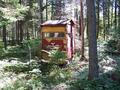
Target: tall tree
{"type": "Point", "coordinates": [46, 10]}
{"type": "Point", "coordinates": [40, 2]}
{"type": "Point", "coordinates": [118, 12]}
{"type": "Point", "coordinates": [98, 16]}
{"type": "Point", "coordinates": [82, 31]}
{"type": "Point", "coordinates": [93, 58]}
{"type": "Point", "coordinates": [108, 14]}
{"type": "Point", "coordinates": [57, 12]}
{"type": "Point", "coordinates": [112, 12]}
{"type": "Point", "coordinates": [115, 14]}
{"type": "Point", "coordinates": [4, 36]}
{"type": "Point", "coordinates": [104, 2]}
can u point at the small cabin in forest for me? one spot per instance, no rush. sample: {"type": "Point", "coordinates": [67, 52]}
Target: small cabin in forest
{"type": "Point", "coordinates": [58, 33]}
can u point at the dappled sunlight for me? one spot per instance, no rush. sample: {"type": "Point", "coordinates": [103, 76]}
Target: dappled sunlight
{"type": "Point", "coordinates": [107, 64]}
{"type": "Point", "coordinates": [59, 44]}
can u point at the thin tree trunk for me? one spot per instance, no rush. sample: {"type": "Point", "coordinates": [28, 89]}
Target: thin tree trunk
{"type": "Point", "coordinates": [16, 32]}
{"type": "Point", "coordinates": [82, 32]}
{"type": "Point", "coordinates": [112, 15]}
{"type": "Point", "coordinates": [46, 10]}
{"type": "Point", "coordinates": [52, 10]}
{"type": "Point", "coordinates": [18, 28]}
{"type": "Point", "coordinates": [71, 42]}
{"type": "Point", "coordinates": [28, 36]}
{"type": "Point", "coordinates": [108, 27]}
{"type": "Point", "coordinates": [98, 17]}
{"type": "Point", "coordinates": [119, 13]}
{"type": "Point", "coordinates": [41, 10]}
{"type": "Point", "coordinates": [21, 30]}
{"type": "Point", "coordinates": [13, 34]}
{"type": "Point", "coordinates": [104, 19]}
{"type": "Point", "coordinates": [115, 14]}
{"type": "Point", "coordinates": [4, 36]}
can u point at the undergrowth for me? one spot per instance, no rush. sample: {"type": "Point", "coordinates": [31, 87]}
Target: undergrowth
{"type": "Point", "coordinates": [27, 48]}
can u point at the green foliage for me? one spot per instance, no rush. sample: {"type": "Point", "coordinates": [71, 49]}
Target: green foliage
{"type": "Point", "coordinates": [23, 84]}
{"type": "Point", "coordinates": [113, 44]}
{"type": "Point", "coordinates": [15, 51]}
{"type": "Point", "coordinates": [17, 68]}
{"type": "Point", "coordinates": [58, 57]}
{"type": "Point", "coordinates": [22, 68]}
{"type": "Point", "coordinates": [34, 45]}
{"type": "Point", "coordinates": [22, 51]}
{"type": "Point", "coordinates": [57, 76]}
{"type": "Point", "coordinates": [1, 45]}
{"type": "Point", "coordinates": [98, 84]}
{"type": "Point", "coordinates": [12, 12]}
{"type": "Point", "coordinates": [36, 78]}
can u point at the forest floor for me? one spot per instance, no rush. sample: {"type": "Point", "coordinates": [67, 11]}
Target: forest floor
{"type": "Point", "coordinates": [8, 78]}
{"type": "Point", "coordinates": [79, 70]}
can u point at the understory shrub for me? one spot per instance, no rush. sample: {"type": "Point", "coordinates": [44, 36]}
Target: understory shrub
{"type": "Point", "coordinates": [35, 78]}
{"type": "Point", "coordinates": [113, 43]}
{"type": "Point", "coordinates": [58, 57]}
{"type": "Point", "coordinates": [57, 76]}
{"type": "Point", "coordinates": [33, 45]}
{"type": "Point", "coordinates": [27, 48]}
{"type": "Point", "coordinates": [98, 84]}
{"type": "Point", "coordinates": [34, 83]}
{"type": "Point", "coordinates": [22, 67]}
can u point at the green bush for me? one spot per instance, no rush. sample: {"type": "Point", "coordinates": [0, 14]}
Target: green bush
{"type": "Point", "coordinates": [18, 68]}
{"type": "Point", "coordinates": [23, 84]}
{"type": "Point", "coordinates": [58, 57]}
{"type": "Point", "coordinates": [23, 50]}
{"type": "Point", "coordinates": [22, 68]}
{"type": "Point", "coordinates": [34, 45]}
{"type": "Point", "coordinates": [1, 45]}
{"type": "Point", "coordinates": [113, 44]}
{"type": "Point", "coordinates": [57, 76]}
{"type": "Point", "coordinates": [98, 84]}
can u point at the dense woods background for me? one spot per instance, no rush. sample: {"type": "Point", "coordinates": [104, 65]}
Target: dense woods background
{"type": "Point", "coordinates": [95, 65]}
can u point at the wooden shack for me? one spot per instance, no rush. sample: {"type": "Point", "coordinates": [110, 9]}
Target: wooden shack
{"type": "Point", "coordinates": [58, 33]}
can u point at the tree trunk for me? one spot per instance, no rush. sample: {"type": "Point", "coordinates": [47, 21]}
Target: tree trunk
{"type": "Point", "coordinates": [93, 58]}
{"type": "Point", "coordinates": [40, 2]}
{"type": "Point", "coordinates": [57, 13]}
{"type": "Point", "coordinates": [4, 36]}
{"type": "Point", "coordinates": [112, 14]}
{"type": "Point", "coordinates": [82, 31]}
{"type": "Point", "coordinates": [16, 32]}
{"type": "Point", "coordinates": [115, 14]}
{"type": "Point", "coordinates": [108, 27]}
{"type": "Point", "coordinates": [13, 33]}
{"type": "Point", "coordinates": [52, 10]}
{"type": "Point", "coordinates": [28, 35]}
{"type": "Point", "coordinates": [98, 16]}
{"type": "Point", "coordinates": [119, 13]}
{"type": "Point", "coordinates": [46, 10]}
{"type": "Point", "coordinates": [21, 30]}
{"type": "Point", "coordinates": [104, 19]}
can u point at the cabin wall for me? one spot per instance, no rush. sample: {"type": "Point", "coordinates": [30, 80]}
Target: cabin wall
{"type": "Point", "coordinates": [70, 50]}
{"type": "Point", "coordinates": [53, 29]}
{"type": "Point", "coordinates": [67, 29]}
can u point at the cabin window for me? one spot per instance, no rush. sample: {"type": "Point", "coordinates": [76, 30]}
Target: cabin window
{"type": "Point", "coordinates": [54, 35]}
